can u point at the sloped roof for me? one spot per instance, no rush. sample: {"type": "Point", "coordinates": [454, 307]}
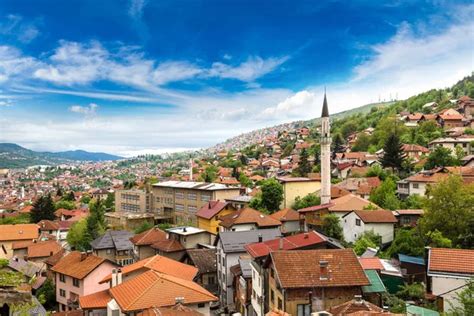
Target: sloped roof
{"type": "Point", "coordinates": [204, 259]}
{"type": "Point", "coordinates": [96, 300]}
{"type": "Point", "coordinates": [285, 215]}
{"type": "Point", "coordinates": [235, 241]}
{"type": "Point", "coordinates": [43, 249]}
{"type": "Point", "coordinates": [177, 310]}
{"type": "Point", "coordinates": [72, 265]}
{"type": "Point", "coordinates": [451, 261]}
{"type": "Point", "coordinates": [160, 264]}
{"type": "Point", "coordinates": [373, 263]}
{"type": "Point", "coordinates": [248, 216]}
{"type": "Point", "coordinates": [148, 237]}
{"type": "Point", "coordinates": [19, 232]}
{"type": "Point", "coordinates": [154, 289]}
{"type": "Point", "coordinates": [211, 209]}
{"type": "Point", "coordinates": [169, 245]}
{"type": "Point", "coordinates": [353, 306]}
{"type": "Point", "coordinates": [376, 216]}
{"type": "Point", "coordinates": [350, 202]}
{"type": "Point", "coordinates": [118, 239]}
{"type": "Point", "coordinates": [300, 268]}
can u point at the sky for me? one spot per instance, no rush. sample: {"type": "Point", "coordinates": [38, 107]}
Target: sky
{"type": "Point", "coordinates": [140, 76]}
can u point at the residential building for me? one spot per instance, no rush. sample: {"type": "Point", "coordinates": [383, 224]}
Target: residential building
{"type": "Point", "coordinates": [305, 281]}
{"type": "Point", "coordinates": [182, 200]}
{"type": "Point", "coordinates": [289, 219]}
{"type": "Point", "coordinates": [449, 272]}
{"type": "Point", "coordinates": [381, 222]}
{"type": "Point", "coordinates": [114, 245]}
{"type": "Point", "coordinates": [128, 220]}
{"type": "Point", "coordinates": [209, 214]}
{"type": "Point", "coordinates": [205, 260]}
{"type": "Point", "coordinates": [294, 187]}
{"type": "Point", "coordinates": [34, 250]}
{"type": "Point", "coordinates": [142, 242]}
{"type": "Point", "coordinates": [242, 274]}
{"type": "Point", "coordinates": [133, 201]}
{"type": "Point", "coordinates": [465, 142]}
{"type": "Point", "coordinates": [357, 306]}
{"type": "Point", "coordinates": [247, 219]}
{"type": "Point", "coordinates": [189, 237]}
{"type": "Point", "coordinates": [408, 217]}
{"type": "Point", "coordinates": [230, 246]}
{"type": "Point", "coordinates": [450, 118]}
{"type": "Point", "coordinates": [78, 274]}
{"type": "Point", "coordinates": [10, 234]}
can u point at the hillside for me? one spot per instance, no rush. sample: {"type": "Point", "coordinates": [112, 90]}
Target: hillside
{"type": "Point", "coordinates": [15, 156]}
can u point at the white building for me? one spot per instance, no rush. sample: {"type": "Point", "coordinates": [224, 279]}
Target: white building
{"type": "Point", "coordinates": [381, 222]}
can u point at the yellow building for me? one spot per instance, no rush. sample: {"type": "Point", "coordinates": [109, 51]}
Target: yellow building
{"type": "Point", "coordinates": [297, 187]}
{"type": "Point", "coordinates": [208, 215]}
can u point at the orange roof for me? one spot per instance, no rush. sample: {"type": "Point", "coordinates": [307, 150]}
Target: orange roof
{"type": "Point", "coordinates": [160, 264]}
{"type": "Point", "coordinates": [371, 263]}
{"type": "Point", "coordinates": [148, 237]}
{"type": "Point", "coordinates": [354, 306]}
{"type": "Point", "coordinates": [376, 216]}
{"type": "Point", "coordinates": [43, 249]}
{"type": "Point", "coordinates": [96, 300]}
{"type": "Point", "coordinates": [26, 209]}
{"type": "Point", "coordinates": [300, 268]}
{"type": "Point", "coordinates": [154, 289]}
{"type": "Point", "coordinates": [72, 265]}
{"type": "Point", "coordinates": [19, 232]}
{"type": "Point", "coordinates": [247, 216]}
{"type": "Point", "coordinates": [451, 260]}
{"type": "Point", "coordinates": [286, 214]}
{"type": "Point", "coordinates": [169, 245]}
{"type": "Point", "coordinates": [177, 310]}
{"type": "Point", "coordinates": [350, 202]}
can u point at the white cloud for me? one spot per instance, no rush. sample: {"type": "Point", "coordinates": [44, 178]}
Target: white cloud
{"type": "Point", "coordinates": [136, 8]}
{"type": "Point", "coordinates": [293, 106]}
{"type": "Point", "coordinates": [175, 71]}
{"type": "Point", "coordinates": [88, 110]}
{"type": "Point", "coordinates": [13, 63]}
{"type": "Point", "coordinates": [253, 68]}
{"type": "Point", "coordinates": [5, 103]}
{"type": "Point", "coordinates": [14, 26]}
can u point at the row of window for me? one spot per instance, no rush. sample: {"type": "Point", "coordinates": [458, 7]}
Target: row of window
{"type": "Point", "coordinates": [128, 196]}
{"type": "Point", "coordinates": [181, 208]}
{"type": "Point", "coordinates": [130, 208]}
{"type": "Point", "coordinates": [75, 282]}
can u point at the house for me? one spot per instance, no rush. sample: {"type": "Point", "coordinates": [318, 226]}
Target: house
{"type": "Point", "coordinates": [230, 246]}
{"type": "Point", "coordinates": [148, 290]}
{"type": "Point", "coordinates": [36, 251]}
{"type": "Point", "coordinates": [247, 219]}
{"type": "Point", "coordinates": [450, 118]}
{"type": "Point", "coordinates": [356, 305]}
{"type": "Point", "coordinates": [449, 271]}
{"type": "Point", "coordinates": [205, 260]}
{"type": "Point", "coordinates": [408, 217]}
{"type": "Point", "coordinates": [414, 151]}
{"type": "Point", "coordinates": [390, 273]}
{"type": "Point", "coordinates": [242, 274]}
{"type": "Point", "coordinates": [356, 223]}
{"type": "Point", "coordinates": [289, 219]}
{"type": "Point", "coordinates": [294, 187]}
{"type": "Point", "coordinates": [156, 263]}
{"type": "Point", "coordinates": [78, 274]}
{"type": "Point", "coordinates": [305, 281]}
{"type": "Point", "coordinates": [10, 234]}
{"type": "Point", "coordinates": [466, 106]}
{"type": "Point", "coordinates": [464, 142]}
{"type": "Point", "coordinates": [208, 215]}
{"type": "Point", "coordinates": [114, 245]}
{"type": "Point", "coordinates": [189, 237]}
{"type": "Point", "coordinates": [361, 187]}
{"type": "Point", "coordinates": [413, 268]}
{"type": "Point", "coordinates": [142, 242]}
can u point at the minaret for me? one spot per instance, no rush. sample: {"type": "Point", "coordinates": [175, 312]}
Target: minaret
{"type": "Point", "coordinates": [325, 154]}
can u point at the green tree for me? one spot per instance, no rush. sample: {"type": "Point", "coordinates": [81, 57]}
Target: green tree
{"type": "Point", "coordinates": [366, 240]}
{"type": "Point", "coordinates": [69, 197]}
{"type": "Point", "coordinates": [287, 151]}
{"type": "Point", "coordinates": [450, 210]}
{"type": "Point", "coordinates": [43, 208]}
{"type": "Point", "coordinates": [304, 167]}
{"type": "Point", "coordinates": [47, 294]}
{"type": "Point", "coordinates": [310, 199]}
{"type": "Point", "coordinates": [210, 174]}
{"type": "Point", "coordinates": [245, 181]}
{"type": "Point", "coordinates": [407, 241]}
{"type": "Point", "coordinates": [331, 227]}
{"type": "Point", "coordinates": [440, 157]}
{"type": "Point", "coordinates": [393, 153]}
{"type": "Point", "coordinates": [362, 143]}
{"type": "Point", "coordinates": [337, 144]}
{"type": "Point", "coordinates": [143, 227]}
{"type": "Point", "coordinates": [385, 195]}
{"type": "Point", "coordinates": [110, 202]}
{"type": "Point", "coordinates": [410, 292]}
{"type": "Point", "coordinates": [272, 194]}
{"type": "Point", "coordinates": [77, 236]}
{"type": "Point", "coordinates": [85, 199]}
{"type": "Point", "coordinates": [257, 204]}
{"type": "Point", "coordinates": [67, 205]}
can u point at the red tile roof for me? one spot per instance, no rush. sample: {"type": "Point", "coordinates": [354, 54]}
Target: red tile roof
{"type": "Point", "coordinates": [261, 249]}
{"type": "Point", "coordinates": [285, 215]}
{"type": "Point", "coordinates": [376, 216]}
{"type": "Point", "coordinates": [148, 237]}
{"type": "Point", "coordinates": [160, 264]}
{"type": "Point", "coordinates": [177, 310]}
{"type": "Point", "coordinates": [154, 289]}
{"type": "Point", "coordinates": [73, 266]}
{"type": "Point", "coordinates": [316, 208]}
{"type": "Point", "coordinates": [354, 306]}
{"type": "Point", "coordinates": [371, 263]}
{"type": "Point", "coordinates": [211, 209]}
{"type": "Point", "coordinates": [300, 268]}
{"type": "Point", "coordinates": [248, 216]}
{"type": "Point", "coordinates": [43, 249]}
{"type": "Point", "coordinates": [169, 245]}
{"type": "Point", "coordinates": [451, 261]}
{"type": "Point", "coordinates": [96, 300]}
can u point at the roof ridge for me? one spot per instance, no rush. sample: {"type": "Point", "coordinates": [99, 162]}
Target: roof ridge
{"type": "Point", "coordinates": [170, 278]}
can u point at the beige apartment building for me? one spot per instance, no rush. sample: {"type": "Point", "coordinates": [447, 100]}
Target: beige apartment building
{"type": "Point", "coordinates": [132, 201]}
{"type": "Point", "coordinates": [182, 199]}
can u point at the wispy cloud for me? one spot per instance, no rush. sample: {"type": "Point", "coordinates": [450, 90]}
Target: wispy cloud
{"type": "Point", "coordinates": [16, 27]}
{"type": "Point", "coordinates": [87, 110]}
{"type": "Point", "coordinates": [136, 8]}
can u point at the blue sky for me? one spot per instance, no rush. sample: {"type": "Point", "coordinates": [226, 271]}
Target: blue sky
{"type": "Point", "coordinates": [136, 76]}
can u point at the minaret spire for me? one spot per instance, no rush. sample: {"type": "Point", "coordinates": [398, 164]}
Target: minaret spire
{"type": "Point", "coordinates": [325, 142]}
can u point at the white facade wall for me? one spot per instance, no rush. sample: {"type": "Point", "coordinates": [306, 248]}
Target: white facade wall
{"type": "Point", "coordinates": [258, 289]}
{"type": "Point", "coordinates": [442, 284]}
{"type": "Point", "coordinates": [351, 231]}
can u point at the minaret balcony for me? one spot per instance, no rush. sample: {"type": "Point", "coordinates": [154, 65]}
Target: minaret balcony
{"type": "Point", "coordinates": [325, 140]}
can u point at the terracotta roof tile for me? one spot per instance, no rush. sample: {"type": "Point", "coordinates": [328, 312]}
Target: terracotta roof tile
{"type": "Point", "coordinates": [350, 202]}
{"type": "Point", "coordinates": [19, 232]}
{"type": "Point", "coordinates": [73, 266]}
{"type": "Point", "coordinates": [211, 209]}
{"type": "Point", "coordinates": [286, 214]}
{"type": "Point", "coordinates": [160, 264]}
{"type": "Point", "coordinates": [169, 245]}
{"type": "Point", "coordinates": [48, 225]}
{"type": "Point", "coordinates": [376, 216]}
{"type": "Point", "coordinates": [148, 237]}
{"type": "Point", "coordinates": [451, 260]}
{"type": "Point", "coordinates": [177, 310]}
{"type": "Point", "coordinates": [300, 268]}
{"type": "Point", "coordinates": [154, 289]}
{"type": "Point", "coordinates": [96, 300]}
{"type": "Point", "coordinates": [353, 306]}
{"type": "Point", "coordinates": [51, 261]}
{"type": "Point", "coordinates": [248, 216]}
{"type": "Point", "coordinates": [371, 263]}
{"type": "Point", "coordinates": [43, 249]}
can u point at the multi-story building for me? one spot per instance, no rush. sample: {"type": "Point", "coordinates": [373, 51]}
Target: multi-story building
{"type": "Point", "coordinates": [182, 200]}
{"type": "Point", "coordinates": [114, 245]}
{"type": "Point", "coordinates": [135, 201]}
{"type": "Point", "coordinates": [297, 187]}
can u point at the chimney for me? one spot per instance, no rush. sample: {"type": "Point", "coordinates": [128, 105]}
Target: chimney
{"type": "Point", "coordinates": [280, 243]}
{"type": "Point", "coordinates": [179, 300]}
{"type": "Point", "coordinates": [260, 238]}
{"type": "Point", "coordinates": [83, 256]}
{"type": "Point", "coordinates": [184, 229]}
{"type": "Point", "coordinates": [114, 277]}
{"type": "Point", "coordinates": [323, 270]}
{"type": "Point", "coordinates": [119, 276]}
{"type": "Point", "coordinates": [358, 299]}
{"type": "Point", "coordinates": [306, 236]}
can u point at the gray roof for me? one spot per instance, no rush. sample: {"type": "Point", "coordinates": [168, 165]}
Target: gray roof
{"type": "Point", "coordinates": [118, 239]}
{"type": "Point", "coordinates": [36, 309]}
{"type": "Point", "coordinates": [27, 268]}
{"type": "Point", "coordinates": [325, 112]}
{"type": "Point", "coordinates": [245, 267]}
{"type": "Point", "coordinates": [194, 185]}
{"type": "Point", "coordinates": [235, 241]}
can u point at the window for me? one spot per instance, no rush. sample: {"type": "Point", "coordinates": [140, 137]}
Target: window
{"type": "Point", "coordinates": [179, 195]}
{"type": "Point", "coordinates": [415, 186]}
{"type": "Point", "coordinates": [211, 280]}
{"type": "Point", "coordinates": [108, 251]}
{"type": "Point", "coordinates": [280, 304]}
{"type": "Point", "coordinates": [272, 273]}
{"type": "Point", "coordinates": [205, 197]}
{"type": "Point", "coordinates": [62, 293]}
{"type": "Point", "coordinates": [179, 207]}
{"type": "Point", "coordinates": [357, 222]}
{"type": "Point", "coordinates": [75, 282]}
{"type": "Point", "coordinates": [303, 310]}
{"type": "Point", "coordinates": [192, 209]}
{"type": "Point", "coordinates": [192, 196]}
{"type": "Point", "coordinates": [272, 296]}
{"type": "Point", "coordinates": [62, 278]}
{"type": "Point", "coordinates": [201, 305]}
